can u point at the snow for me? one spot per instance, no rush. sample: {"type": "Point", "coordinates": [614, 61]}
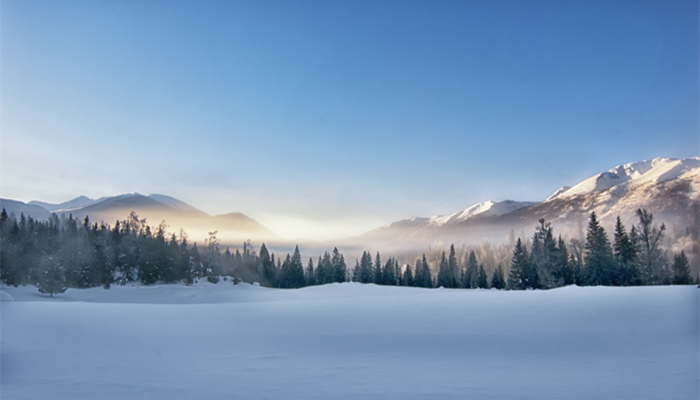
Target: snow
{"type": "Point", "coordinates": [350, 341]}
{"type": "Point", "coordinates": [485, 209]}
{"type": "Point", "coordinates": [632, 175]}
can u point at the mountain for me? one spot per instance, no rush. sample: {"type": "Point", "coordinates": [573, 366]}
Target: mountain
{"type": "Point", "coordinates": [155, 208]}
{"type": "Point", "coordinates": [669, 188]}
{"type": "Point", "coordinates": [77, 202]}
{"type": "Point", "coordinates": [18, 208]}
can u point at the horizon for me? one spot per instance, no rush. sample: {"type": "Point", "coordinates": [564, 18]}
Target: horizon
{"type": "Point", "coordinates": [321, 121]}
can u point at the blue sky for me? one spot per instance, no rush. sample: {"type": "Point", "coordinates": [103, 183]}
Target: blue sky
{"type": "Point", "coordinates": [327, 118]}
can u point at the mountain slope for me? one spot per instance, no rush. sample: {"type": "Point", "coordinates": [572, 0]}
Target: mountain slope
{"type": "Point", "coordinates": [17, 208]}
{"type": "Point", "coordinates": [155, 208]}
{"type": "Point", "coordinates": [77, 202]}
{"type": "Point", "coordinates": [667, 187]}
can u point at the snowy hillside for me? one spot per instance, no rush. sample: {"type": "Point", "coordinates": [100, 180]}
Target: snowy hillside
{"type": "Point", "coordinates": [632, 175]}
{"type": "Point", "coordinates": [668, 188]}
{"type": "Point", "coordinates": [485, 209]}
{"type": "Point", "coordinates": [350, 341]}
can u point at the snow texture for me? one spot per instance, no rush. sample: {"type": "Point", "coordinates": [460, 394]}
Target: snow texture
{"type": "Point", "coordinates": [350, 341]}
{"type": "Point", "coordinates": [485, 209]}
{"type": "Point", "coordinates": [633, 174]}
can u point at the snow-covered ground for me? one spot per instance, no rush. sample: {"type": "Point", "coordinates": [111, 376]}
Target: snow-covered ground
{"type": "Point", "coordinates": [350, 341]}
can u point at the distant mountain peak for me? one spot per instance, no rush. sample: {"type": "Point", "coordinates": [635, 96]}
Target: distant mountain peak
{"type": "Point", "coordinates": [631, 174]}
{"type": "Point", "coordinates": [488, 208]}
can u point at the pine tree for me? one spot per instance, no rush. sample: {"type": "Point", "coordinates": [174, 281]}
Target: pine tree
{"type": "Point", "coordinates": [366, 268]}
{"type": "Point", "coordinates": [625, 254]}
{"type": "Point", "coordinates": [453, 267]}
{"type": "Point", "coordinates": [498, 279]}
{"type": "Point", "coordinates": [268, 268]}
{"type": "Point", "coordinates": [599, 258]}
{"type": "Point", "coordinates": [681, 270]}
{"type": "Point", "coordinates": [423, 277]}
{"type": "Point", "coordinates": [338, 266]}
{"type": "Point", "coordinates": [310, 275]}
{"type": "Point", "coordinates": [388, 273]}
{"type": "Point", "coordinates": [566, 270]}
{"type": "Point", "coordinates": [521, 273]}
{"type": "Point", "coordinates": [378, 277]}
{"type": "Point", "coordinates": [407, 279]}
{"type": "Point", "coordinates": [482, 279]}
{"type": "Point", "coordinates": [543, 256]}
{"type": "Point", "coordinates": [469, 278]}
{"type": "Point", "coordinates": [51, 277]}
{"type": "Point", "coordinates": [445, 277]}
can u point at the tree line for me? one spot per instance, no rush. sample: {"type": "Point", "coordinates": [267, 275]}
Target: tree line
{"type": "Point", "coordinates": [64, 252]}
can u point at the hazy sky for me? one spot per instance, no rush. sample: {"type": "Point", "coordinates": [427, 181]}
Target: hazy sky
{"type": "Point", "coordinates": [327, 118]}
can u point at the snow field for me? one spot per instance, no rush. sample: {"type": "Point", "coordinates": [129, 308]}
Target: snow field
{"type": "Point", "coordinates": [350, 341]}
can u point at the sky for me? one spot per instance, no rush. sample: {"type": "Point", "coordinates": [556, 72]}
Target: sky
{"type": "Point", "coordinates": [323, 119]}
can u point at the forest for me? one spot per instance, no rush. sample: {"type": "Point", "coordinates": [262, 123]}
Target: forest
{"type": "Point", "coordinates": [64, 252]}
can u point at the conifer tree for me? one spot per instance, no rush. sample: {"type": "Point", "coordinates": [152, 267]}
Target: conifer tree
{"type": "Point", "coordinates": [599, 257]}
{"type": "Point", "coordinates": [388, 273]}
{"type": "Point", "coordinates": [520, 275]}
{"type": "Point", "coordinates": [445, 277]}
{"type": "Point", "coordinates": [378, 277]}
{"type": "Point", "coordinates": [498, 279]}
{"type": "Point", "coordinates": [469, 278]}
{"type": "Point", "coordinates": [338, 266]}
{"type": "Point", "coordinates": [51, 277]}
{"type": "Point", "coordinates": [407, 279]}
{"type": "Point", "coordinates": [482, 279]}
{"type": "Point", "coordinates": [681, 270]}
{"type": "Point", "coordinates": [566, 270]}
{"type": "Point", "coordinates": [453, 267]}
{"type": "Point", "coordinates": [625, 254]}
{"type": "Point", "coordinates": [366, 268]}
{"type": "Point", "coordinates": [269, 274]}
{"type": "Point", "coordinates": [310, 275]}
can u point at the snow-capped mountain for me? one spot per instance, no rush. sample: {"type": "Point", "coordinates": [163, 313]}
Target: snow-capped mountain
{"type": "Point", "coordinates": [669, 188]}
{"type": "Point", "coordinates": [632, 175]}
{"type": "Point", "coordinates": [485, 209]}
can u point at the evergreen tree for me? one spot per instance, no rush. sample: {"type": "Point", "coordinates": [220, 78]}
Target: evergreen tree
{"type": "Point", "coordinates": [599, 257]}
{"type": "Point", "coordinates": [338, 266]}
{"type": "Point", "coordinates": [453, 267]}
{"type": "Point", "coordinates": [293, 271]}
{"type": "Point", "coordinates": [681, 270]}
{"type": "Point", "coordinates": [366, 268]}
{"type": "Point", "coordinates": [543, 257]}
{"type": "Point", "coordinates": [566, 270]}
{"type": "Point", "coordinates": [310, 275]}
{"type": "Point", "coordinates": [407, 279]}
{"type": "Point", "coordinates": [51, 278]}
{"type": "Point", "coordinates": [388, 273]}
{"type": "Point", "coordinates": [325, 270]}
{"type": "Point", "coordinates": [423, 277]}
{"type": "Point", "coordinates": [469, 278]}
{"type": "Point", "coordinates": [482, 279]}
{"type": "Point", "coordinates": [520, 275]}
{"type": "Point", "coordinates": [625, 254]}
{"type": "Point", "coordinates": [498, 280]}
{"type": "Point", "coordinates": [378, 277]}
{"type": "Point", "coordinates": [445, 277]}
{"type": "Point", "coordinates": [268, 268]}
